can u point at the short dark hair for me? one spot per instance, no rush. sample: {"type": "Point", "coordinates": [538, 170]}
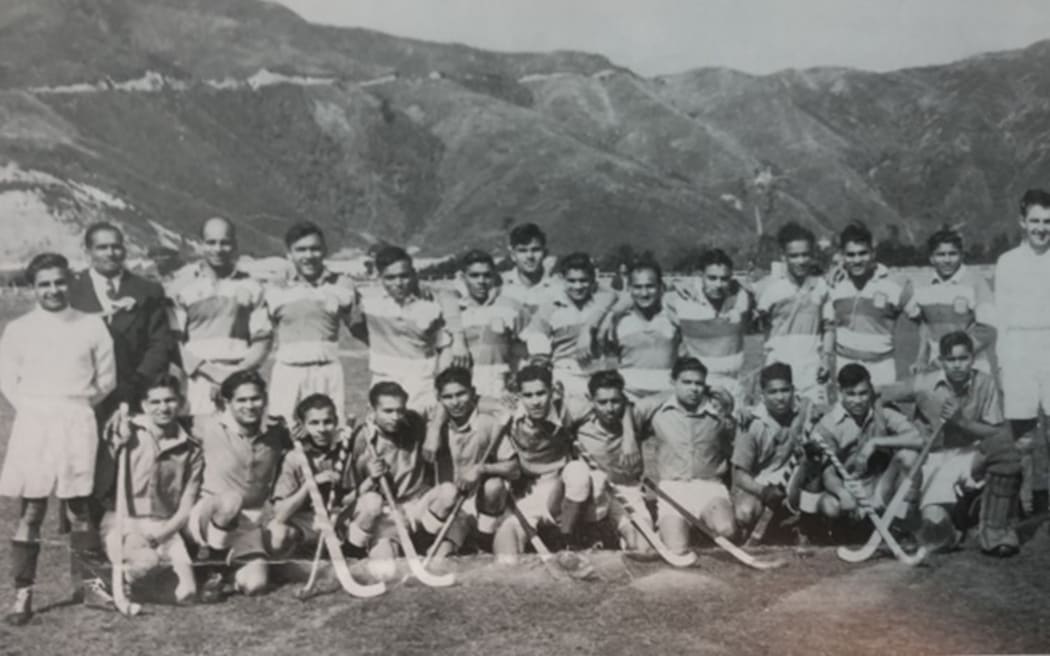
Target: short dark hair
{"type": "Point", "coordinates": [853, 374]}
{"type": "Point", "coordinates": [953, 339]}
{"type": "Point", "coordinates": [712, 257]}
{"type": "Point", "coordinates": [944, 236]}
{"type": "Point", "coordinates": [100, 226]}
{"type": "Point", "coordinates": [229, 224]}
{"type": "Point", "coordinates": [792, 232]}
{"type": "Point", "coordinates": [314, 402]}
{"type": "Point", "coordinates": [45, 261]}
{"type": "Point", "coordinates": [534, 372]}
{"type": "Point", "coordinates": [386, 388]}
{"type": "Point", "coordinates": [524, 233]}
{"type": "Point", "coordinates": [605, 379]}
{"type": "Point", "coordinates": [388, 255]}
{"type": "Point", "coordinates": [578, 261]}
{"type": "Point", "coordinates": [163, 380]}
{"type": "Point", "coordinates": [300, 230]}
{"type": "Point", "coordinates": [238, 378]}
{"type": "Point", "coordinates": [856, 233]}
{"type": "Point", "coordinates": [687, 363]}
{"type": "Point", "coordinates": [645, 264]}
{"type": "Point", "coordinates": [775, 371]}
{"type": "Point", "coordinates": [1034, 197]}
{"type": "Point", "coordinates": [460, 375]}
{"type": "Point", "coordinates": [476, 256]}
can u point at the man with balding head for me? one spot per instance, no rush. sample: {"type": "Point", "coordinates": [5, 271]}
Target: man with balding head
{"type": "Point", "coordinates": [218, 314]}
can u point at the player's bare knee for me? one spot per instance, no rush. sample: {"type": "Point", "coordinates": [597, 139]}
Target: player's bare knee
{"type": "Point", "coordinates": [577, 479]}
{"type": "Point", "coordinates": [494, 495]}
{"type": "Point", "coordinates": [905, 458]}
{"type": "Point", "coordinates": [443, 500]}
{"type": "Point", "coordinates": [252, 579]}
{"type": "Point", "coordinates": [369, 510]}
{"type": "Point", "coordinates": [829, 506]}
{"type": "Point", "coordinates": [226, 507]}
{"type": "Point", "coordinates": [747, 510]}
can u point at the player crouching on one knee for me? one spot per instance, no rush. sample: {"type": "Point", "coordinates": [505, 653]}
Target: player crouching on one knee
{"type": "Point", "coordinates": [165, 466]}
{"type": "Point", "coordinates": [876, 444]}
{"type": "Point", "coordinates": [976, 448]}
{"type": "Point", "coordinates": [243, 452]}
{"type": "Point", "coordinates": [389, 444]}
{"type": "Point", "coordinates": [327, 452]}
{"type": "Point", "coordinates": [770, 470]}
{"type": "Point", "coordinates": [458, 442]}
{"type": "Point", "coordinates": [553, 489]}
{"type": "Point", "coordinates": [693, 428]}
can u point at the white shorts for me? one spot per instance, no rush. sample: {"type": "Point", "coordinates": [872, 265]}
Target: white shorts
{"type": "Point", "coordinates": [171, 552]}
{"type": "Point", "coordinates": [942, 471]}
{"type": "Point", "coordinates": [640, 383]}
{"type": "Point", "coordinates": [696, 496]}
{"type": "Point", "coordinates": [574, 383]}
{"type": "Point", "coordinates": [290, 384]}
{"type": "Point", "coordinates": [420, 390]}
{"type": "Point", "coordinates": [245, 538]}
{"type": "Point", "coordinates": [1026, 390]}
{"type": "Point", "coordinates": [536, 504]}
{"type": "Point", "coordinates": [491, 380]}
{"type": "Point", "coordinates": [51, 450]}
{"type": "Point", "coordinates": [199, 400]}
{"type": "Point", "coordinates": [883, 372]}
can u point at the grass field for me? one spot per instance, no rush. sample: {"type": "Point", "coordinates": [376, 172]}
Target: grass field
{"type": "Point", "coordinates": [960, 603]}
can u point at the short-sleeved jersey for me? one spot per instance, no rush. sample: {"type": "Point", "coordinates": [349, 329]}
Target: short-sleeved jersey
{"type": "Point", "coordinates": [715, 335]}
{"type": "Point", "coordinates": [409, 474]}
{"type": "Point", "coordinates": [491, 327]}
{"type": "Point", "coordinates": [845, 435]}
{"type": "Point", "coordinates": [306, 316]}
{"type": "Point", "coordinates": [603, 443]}
{"type": "Point", "coordinates": [161, 469]}
{"type": "Point", "coordinates": [295, 466]}
{"type": "Point", "coordinates": [691, 444]}
{"type": "Point", "coordinates": [1022, 306]}
{"type": "Point", "coordinates": [646, 348]}
{"type": "Point", "coordinates": [217, 318]}
{"type": "Point", "coordinates": [979, 400]}
{"type": "Point", "coordinates": [795, 317]}
{"type": "Point", "coordinates": [543, 446]}
{"type": "Point", "coordinates": [948, 305]}
{"type": "Point", "coordinates": [467, 443]}
{"type": "Point", "coordinates": [766, 444]}
{"type": "Point", "coordinates": [556, 326]}
{"type": "Point", "coordinates": [529, 296]}
{"type": "Point", "coordinates": [238, 462]}
{"type": "Point", "coordinates": [403, 338]}
{"type": "Point", "coordinates": [864, 318]}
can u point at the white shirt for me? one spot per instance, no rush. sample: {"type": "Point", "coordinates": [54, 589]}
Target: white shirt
{"type": "Point", "coordinates": [102, 285]}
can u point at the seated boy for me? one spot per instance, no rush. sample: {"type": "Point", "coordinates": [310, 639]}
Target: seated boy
{"type": "Point", "coordinates": [693, 429]}
{"type": "Point", "coordinates": [975, 445]}
{"type": "Point", "coordinates": [389, 444]}
{"type": "Point", "coordinates": [164, 471]}
{"type": "Point", "coordinates": [877, 445]}
{"type": "Point", "coordinates": [765, 473]}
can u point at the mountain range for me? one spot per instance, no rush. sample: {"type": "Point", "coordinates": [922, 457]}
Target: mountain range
{"type": "Point", "coordinates": [160, 113]}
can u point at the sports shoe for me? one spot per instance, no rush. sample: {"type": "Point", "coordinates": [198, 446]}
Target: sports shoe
{"type": "Point", "coordinates": [94, 594]}
{"type": "Point", "coordinates": [22, 609]}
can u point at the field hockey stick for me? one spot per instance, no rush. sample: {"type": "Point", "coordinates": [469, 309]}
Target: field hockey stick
{"type": "Point", "coordinates": [328, 535]}
{"type": "Point", "coordinates": [415, 565]}
{"type": "Point", "coordinates": [866, 509]}
{"type": "Point", "coordinates": [721, 542]}
{"type": "Point", "coordinates": [124, 605]}
{"type": "Point", "coordinates": [675, 560]}
{"type": "Point", "coordinates": [461, 498]}
{"type": "Point", "coordinates": [869, 548]}
{"type": "Point", "coordinates": [340, 466]}
{"type": "Point", "coordinates": [545, 555]}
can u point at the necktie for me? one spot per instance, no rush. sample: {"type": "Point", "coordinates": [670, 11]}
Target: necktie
{"type": "Point", "coordinates": [111, 289]}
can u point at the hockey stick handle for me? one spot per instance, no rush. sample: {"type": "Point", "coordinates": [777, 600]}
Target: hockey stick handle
{"type": "Point", "coordinates": [340, 466]}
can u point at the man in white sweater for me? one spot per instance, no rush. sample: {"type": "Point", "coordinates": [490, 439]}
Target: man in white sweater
{"type": "Point", "coordinates": [56, 363]}
{"type": "Point", "coordinates": [1022, 307]}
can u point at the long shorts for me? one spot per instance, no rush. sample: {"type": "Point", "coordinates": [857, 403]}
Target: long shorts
{"type": "Point", "coordinates": [695, 496]}
{"type": "Point", "coordinates": [291, 383]}
{"type": "Point", "coordinates": [245, 539]}
{"type": "Point", "coordinates": [1026, 389]}
{"type": "Point", "coordinates": [942, 472]}
{"type": "Point", "coordinates": [51, 450]}
{"type": "Point", "coordinates": [172, 551]}
{"type": "Point", "coordinates": [540, 501]}
{"type": "Point", "coordinates": [883, 372]}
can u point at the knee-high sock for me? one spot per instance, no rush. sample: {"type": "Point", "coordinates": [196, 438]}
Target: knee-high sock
{"type": "Point", "coordinates": [23, 562]}
{"type": "Point", "coordinates": [570, 516]}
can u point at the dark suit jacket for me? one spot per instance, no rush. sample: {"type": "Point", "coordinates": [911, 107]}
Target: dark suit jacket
{"type": "Point", "coordinates": [143, 345]}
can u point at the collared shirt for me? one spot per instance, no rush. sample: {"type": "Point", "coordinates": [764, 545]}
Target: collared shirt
{"type": "Point", "coordinates": [292, 477]}
{"type": "Point", "coordinates": [691, 444]}
{"type": "Point", "coordinates": [556, 327]}
{"type": "Point", "coordinates": [543, 446]}
{"type": "Point", "coordinates": [864, 318]}
{"type": "Point", "coordinates": [795, 317]}
{"type": "Point", "coordinates": [715, 335]}
{"type": "Point", "coordinates": [978, 400]}
{"type": "Point", "coordinates": [491, 327]}
{"type": "Point", "coordinates": [846, 436]}
{"type": "Point", "coordinates": [531, 296]}
{"type": "Point", "coordinates": [647, 348]}
{"type": "Point", "coordinates": [468, 441]}
{"type": "Point", "coordinates": [409, 474]}
{"type": "Point", "coordinates": [104, 287]}
{"type": "Point", "coordinates": [306, 316]}
{"type": "Point", "coordinates": [1022, 305]}
{"type": "Point", "coordinates": [239, 462]}
{"type": "Point", "coordinates": [767, 444]}
{"type": "Point", "coordinates": [51, 355]}
{"type": "Point", "coordinates": [161, 470]}
{"type": "Point", "coordinates": [603, 443]}
{"type": "Point", "coordinates": [218, 318]}
{"type": "Point", "coordinates": [948, 305]}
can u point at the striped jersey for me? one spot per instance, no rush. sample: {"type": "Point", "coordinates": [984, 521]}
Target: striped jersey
{"type": "Point", "coordinates": [306, 316]}
{"type": "Point", "coordinates": [543, 446]}
{"type": "Point", "coordinates": [646, 348]}
{"type": "Point", "coordinates": [556, 327]}
{"type": "Point", "coordinates": [531, 297]}
{"type": "Point", "coordinates": [864, 318]}
{"type": "Point", "coordinates": [714, 335]}
{"type": "Point", "coordinates": [796, 318]}
{"type": "Point", "coordinates": [217, 318]}
{"type": "Point", "coordinates": [490, 327]}
{"type": "Point", "coordinates": [956, 303]}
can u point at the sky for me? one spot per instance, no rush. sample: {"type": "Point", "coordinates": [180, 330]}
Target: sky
{"type": "Point", "coordinates": [655, 37]}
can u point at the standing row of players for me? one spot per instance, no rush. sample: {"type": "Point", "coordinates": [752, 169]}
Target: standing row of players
{"type": "Point", "coordinates": [673, 348]}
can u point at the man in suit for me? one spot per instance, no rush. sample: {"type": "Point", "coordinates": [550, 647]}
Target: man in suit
{"type": "Point", "coordinates": [134, 311]}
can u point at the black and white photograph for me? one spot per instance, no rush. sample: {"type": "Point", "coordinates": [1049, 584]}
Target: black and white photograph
{"type": "Point", "coordinates": [524, 327]}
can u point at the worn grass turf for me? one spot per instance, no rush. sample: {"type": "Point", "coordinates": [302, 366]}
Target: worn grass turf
{"type": "Point", "coordinates": [958, 603]}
